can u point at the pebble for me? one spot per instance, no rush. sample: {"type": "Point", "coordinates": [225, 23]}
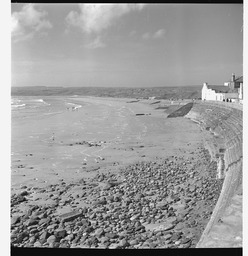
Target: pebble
{"type": "Point", "coordinates": [15, 220]}
{"type": "Point", "coordinates": [123, 243]}
{"type": "Point", "coordinates": [118, 215]}
{"type": "Point", "coordinates": [37, 244]}
{"type": "Point", "coordinates": [51, 239]}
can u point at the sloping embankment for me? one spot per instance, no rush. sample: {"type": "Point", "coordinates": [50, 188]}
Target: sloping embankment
{"type": "Point", "coordinates": [225, 124]}
{"type": "Point", "coordinates": [181, 111]}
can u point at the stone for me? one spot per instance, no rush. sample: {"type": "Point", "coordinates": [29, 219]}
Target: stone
{"type": "Point", "coordinates": [133, 242]}
{"type": "Point", "coordinates": [24, 193]}
{"type": "Point", "coordinates": [89, 229]}
{"type": "Point", "coordinates": [44, 235]}
{"type": "Point", "coordinates": [161, 204]}
{"type": "Point", "coordinates": [167, 237]}
{"type": "Point", "coordinates": [114, 246]}
{"type": "Point", "coordinates": [15, 220]}
{"type": "Point", "coordinates": [175, 236]}
{"type": "Point", "coordinates": [44, 221]}
{"type": "Point", "coordinates": [123, 243]}
{"type": "Point", "coordinates": [52, 226]}
{"type": "Point", "coordinates": [32, 222]}
{"type": "Point", "coordinates": [70, 237]}
{"type": "Point", "coordinates": [99, 232]}
{"type": "Point", "coordinates": [70, 216]}
{"type": "Point", "coordinates": [134, 217]}
{"type": "Point", "coordinates": [111, 235]}
{"type": "Point", "coordinates": [37, 244]}
{"type": "Point", "coordinates": [52, 239]}
{"type": "Point", "coordinates": [21, 237]}
{"type": "Point", "coordinates": [65, 244]}
{"type": "Point", "coordinates": [32, 240]}
{"type": "Point", "coordinates": [104, 239]}
{"type": "Point", "coordinates": [185, 240]}
{"type": "Point", "coordinates": [187, 245]}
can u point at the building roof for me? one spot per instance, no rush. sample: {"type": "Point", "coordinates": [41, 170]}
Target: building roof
{"type": "Point", "coordinates": [239, 79]}
{"type": "Point", "coordinates": [219, 88]}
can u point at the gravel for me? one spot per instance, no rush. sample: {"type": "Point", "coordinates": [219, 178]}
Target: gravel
{"type": "Point", "coordinates": [162, 204]}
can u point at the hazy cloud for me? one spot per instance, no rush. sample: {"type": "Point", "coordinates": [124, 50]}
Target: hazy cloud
{"type": "Point", "coordinates": [96, 43]}
{"type": "Point", "coordinates": [29, 21]}
{"type": "Point", "coordinates": [157, 35]}
{"type": "Point", "coordinates": [93, 18]}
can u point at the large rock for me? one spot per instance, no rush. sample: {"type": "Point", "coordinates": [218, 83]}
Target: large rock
{"type": "Point", "coordinates": [60, 233]}
{"type": "Point", "coordinates": [70, 216]}
{"type": "Point", "coordinates": [99, 232]}
{"type": "Point", "coordinates": [15, 220]}
{"type": "Point", "coordinates": [111, 235]}
{"type": "Point", "coordinates": [134, 217]}
{"type": "Point", "coordinates": [52, 239]}
{"type": "Point", "coordinates": [123, 243]}
{"type": "Point", "coordinates": [21, 236]}
{"type": "Point", "coordinates": [44, 221]}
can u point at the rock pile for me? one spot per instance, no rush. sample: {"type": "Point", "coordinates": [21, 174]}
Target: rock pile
{"type": "Point", "coordinates": [162, 204]}
{"type": "Point", "coordinates": [89, 144]}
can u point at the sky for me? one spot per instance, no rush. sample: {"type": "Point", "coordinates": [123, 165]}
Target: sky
{"type": "Point", "coordinates": [125, 45]}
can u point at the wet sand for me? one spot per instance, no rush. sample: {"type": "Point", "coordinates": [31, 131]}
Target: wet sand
{"type": "Point", "coordinates": [104, 134]}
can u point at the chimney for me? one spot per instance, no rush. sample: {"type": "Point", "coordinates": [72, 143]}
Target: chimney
{"type": "Point", "coordinates": [233, 77]}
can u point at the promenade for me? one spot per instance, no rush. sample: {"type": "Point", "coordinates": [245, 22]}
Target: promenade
{"type": "Point", "coordinates": [224, 121]}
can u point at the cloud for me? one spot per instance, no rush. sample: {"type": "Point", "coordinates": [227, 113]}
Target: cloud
{"type": "Point", "coordinates": [96, 43]}
{"type": "Point", "coordinates": [159, 34]}
{"type": "Point", "coordinates": [146, 36]}
{"type": "Point", "coordinates": [94, 18]}
{"type": "Point", "coordinates": [28, 22]}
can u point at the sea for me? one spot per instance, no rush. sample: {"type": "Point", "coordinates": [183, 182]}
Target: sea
{"type": "Point", "coordinates": [28, 106]}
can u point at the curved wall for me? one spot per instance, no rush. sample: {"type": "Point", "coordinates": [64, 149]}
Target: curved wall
{"type": "Point", "coordinates": [224, 122]}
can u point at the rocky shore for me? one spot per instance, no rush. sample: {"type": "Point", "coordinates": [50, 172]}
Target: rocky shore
{"type": "Point", "coordinates": [162, 204]}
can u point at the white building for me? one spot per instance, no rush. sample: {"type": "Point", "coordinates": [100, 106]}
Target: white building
{"type": "Point", "coordinates": [214, 92]}
{"type": "Point", "coordinates": [231, 90]}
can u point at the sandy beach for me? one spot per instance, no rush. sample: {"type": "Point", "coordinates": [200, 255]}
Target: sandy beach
{"type": "Point", "coordinates": [104, 133]}
{"type": "Point", "coordinates": [133, 177]}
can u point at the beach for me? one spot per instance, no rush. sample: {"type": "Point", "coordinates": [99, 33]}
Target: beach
{"type": "Point", "coordinates": [127, 176]}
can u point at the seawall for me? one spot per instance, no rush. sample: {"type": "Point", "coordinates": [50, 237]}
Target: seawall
{"type": "Point", "coordinates": [224, 123]}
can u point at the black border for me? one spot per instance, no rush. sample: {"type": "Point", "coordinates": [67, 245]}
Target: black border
{"type": "Point", "coordinates": [191, 252]}
{"type": "Point", "coordinates": [144, 1]}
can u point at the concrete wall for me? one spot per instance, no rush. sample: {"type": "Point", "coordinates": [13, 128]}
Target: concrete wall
{"type": "Point", "coordinates": [225, 123]}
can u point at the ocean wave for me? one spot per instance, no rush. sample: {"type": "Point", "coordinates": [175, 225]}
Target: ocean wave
{"type": "Point", "coordinates": [18, 106]}
{"type": "Point", "coordinates": [15, 101]}
{"type": "Point", "coordinates": [42, 101]}
{"type": "Point", "coordinates": [52, 113]}
{"type": "Point", "coordinates": [76, 106]}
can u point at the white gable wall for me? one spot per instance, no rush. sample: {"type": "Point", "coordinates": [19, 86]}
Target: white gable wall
{"type": "Point", "coordinates": [209, 94]}
{"type": "Point", "coordinates": [204, 92]}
